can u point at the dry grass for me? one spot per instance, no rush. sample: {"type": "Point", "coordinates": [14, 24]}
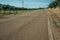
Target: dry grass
{"type": "Point", "coordinates": [13, 13]}
{"type": "Point", "coordinates": [55, 14]}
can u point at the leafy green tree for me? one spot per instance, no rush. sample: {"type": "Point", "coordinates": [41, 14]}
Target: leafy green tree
{"type": "Point", "coordinates": [53, 4]}
{"type": "Point", "coordinates": [58, 1]}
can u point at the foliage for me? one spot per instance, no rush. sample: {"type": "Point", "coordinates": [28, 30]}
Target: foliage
{"type": "Point", "coordinates": [53, 4]}
{"type": "Point", "coordinates": [9, 7]}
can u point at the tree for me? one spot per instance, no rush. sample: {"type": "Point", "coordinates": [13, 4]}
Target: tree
{"type": "Point", "coordinates": [0, 6]}
{"type": "Point", "coordinates": [58, 1]}
{"type": "Point", "coordinates": [53, 4]}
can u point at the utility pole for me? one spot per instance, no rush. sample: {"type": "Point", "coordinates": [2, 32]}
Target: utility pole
{"type": "Point", "coordinates": [22, 4]}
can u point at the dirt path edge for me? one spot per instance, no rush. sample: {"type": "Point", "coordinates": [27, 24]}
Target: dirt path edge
{"type": "Point", "coordinates": [50, 34]}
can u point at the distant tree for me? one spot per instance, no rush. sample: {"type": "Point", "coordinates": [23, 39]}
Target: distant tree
{"type": "Point", "coordinates": [9, 7]}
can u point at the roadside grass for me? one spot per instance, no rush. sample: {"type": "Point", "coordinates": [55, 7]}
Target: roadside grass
{"type": "Point", "coordinates": [1, 15]}
{"type": "Point", "coordinates": [55, 15]}
{"type": "Point", "coordinates": [11, 12]}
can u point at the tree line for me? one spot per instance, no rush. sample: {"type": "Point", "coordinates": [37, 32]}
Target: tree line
{"type": "Point", "coordinates": [9, 7]}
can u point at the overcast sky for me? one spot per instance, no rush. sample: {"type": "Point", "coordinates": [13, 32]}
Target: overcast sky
{"type": "Point", "coordinates": [27, 3]}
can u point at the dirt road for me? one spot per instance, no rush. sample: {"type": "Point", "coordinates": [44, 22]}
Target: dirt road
{"type": "Point", "coordinates": [30, 26]}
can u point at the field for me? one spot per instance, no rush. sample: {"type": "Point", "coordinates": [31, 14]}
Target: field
{"type": "Point", "coordinates": [13, 13]}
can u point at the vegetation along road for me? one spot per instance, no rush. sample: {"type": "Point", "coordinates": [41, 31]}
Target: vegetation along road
{"type": "Point", "coordinates": [29, 26]}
